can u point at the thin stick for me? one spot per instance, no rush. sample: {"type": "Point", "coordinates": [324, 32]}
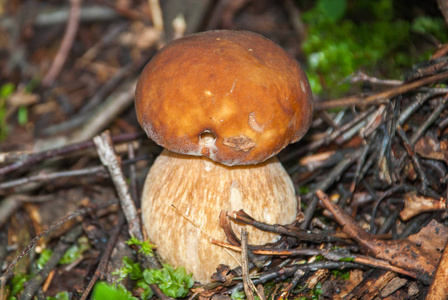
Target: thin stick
{"type": "Point", "coordinates": [35, 158]}
{"type": "Point", "coordinates": [431, 119]}
{"type": "Point", "coordinates": [67, 42]}
{"type": "Point", "coordinates": [331, 137]}
{"type": "Point", "coordinates": [107, 155]}
{"type": "Point", "coordinates": [334, 174]}
{"type": "Point", "coordinates": [410, 150]}
{"type": "Point", "coordinates": [98, 170]}
{"type": "Point", "coordinates": [248, 285]}
{"type": "Point", "coordinates": [380, 97]}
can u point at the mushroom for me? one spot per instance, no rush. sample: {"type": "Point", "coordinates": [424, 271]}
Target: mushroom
{"type": "Point", "coordinates": [223, 104]}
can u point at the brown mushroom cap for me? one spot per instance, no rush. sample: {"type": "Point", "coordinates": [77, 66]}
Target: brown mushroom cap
{"type": "Point", "coordinates": [232, 96]}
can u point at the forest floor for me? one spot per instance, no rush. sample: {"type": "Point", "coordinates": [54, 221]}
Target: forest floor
{"type": "Point", "coordinates": [371, 172]}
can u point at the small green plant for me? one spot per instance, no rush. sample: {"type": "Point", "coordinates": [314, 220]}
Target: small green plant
{"type": "Point", "coordinates": [106, 291]}
{"type": "Point", "coordinates": [43, 258]}
{"type": "Point", "coordinates": [16, 284]}
{"type": "Point", "coordinates": [347, 259]}
{"type": "Point", "coordinates": [59, 296]}
{"type": "Point", "coordinates": [130, 268]}
{"type": "Point", "coordinates": [341, 274]}
{"type": "Point", "coordinates": [317, 291]}
{"type": "Point", "coordinates": [174, 283]}
{"type": "Point", "coordinates": [319, 257]}
{"type": "Point", "coordinates": [22, 115]}
{"type": "Point", "coordinates": [75, 251]}
{"type": "Point", "coordinates": [145, 246]}
{"type": "Point", "coordinates": [135, 272]}
{"type": "Point", "coordinates": [238, 295]}
{"type": "Point", "coordinates": [6, 90]}
{"type": "Point", "coordinates": [304, 189]}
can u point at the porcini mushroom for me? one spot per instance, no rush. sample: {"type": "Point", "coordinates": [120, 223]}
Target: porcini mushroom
{"type": "Point", "coordinates": [222, 104]}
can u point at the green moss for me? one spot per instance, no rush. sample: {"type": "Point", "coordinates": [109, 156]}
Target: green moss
{"type": "Point", "coordinates": [369, 36]}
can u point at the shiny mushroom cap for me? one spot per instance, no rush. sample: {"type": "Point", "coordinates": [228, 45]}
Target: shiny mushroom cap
{"type": "Point", "coordinates": [232, 96]}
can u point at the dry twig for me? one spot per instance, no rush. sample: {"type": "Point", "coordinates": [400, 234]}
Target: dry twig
{"type": "Point", "coordinates": [67, 42]}
{"type": "Point", "coordinates": [107, 155]}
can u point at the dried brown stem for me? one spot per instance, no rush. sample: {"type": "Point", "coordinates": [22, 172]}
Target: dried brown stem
{"type": "Point", "coordinates": [107, 155]}
{"type": "Point", "coordinates": [67, 42]}
{"type": "Point", "coordinates": [382, 97]}
{"type": "Point", "coordinates": [415, 159]}
{"type": "Point", "coordinates": [35, 158]}
{"type": "Point", "coordinates": [329, 138]}
{"type": "Point", "coordinates": [431, 119]}
{"type": "Point", "coordinates": [47, 177]}
{"type": "Point", "coordinates": [303, 235]}
{"type": "Point", "coordinates": [332, 176]}
{"type": "Point", "coordinates": [363, 77]}
{"type": "Point", "coordinates": [248, 285]}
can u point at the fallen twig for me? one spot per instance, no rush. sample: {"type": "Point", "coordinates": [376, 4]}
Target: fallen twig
{"type": "Point", "coordinates": [381, 97]}
{"type": "Point", "coordinates": [67, 42]}
{"type": "Point", "coordinates": [97, 171]}
{"type": "Point", "coordinates": [107, 155]}
{"type": "Point", "coordinates": [34, 158]}
{"type": "Point", "coordinates": [248, 284]}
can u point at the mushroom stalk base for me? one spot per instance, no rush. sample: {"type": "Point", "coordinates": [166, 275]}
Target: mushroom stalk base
{"type": "Point", "coordinates": [200, 189]}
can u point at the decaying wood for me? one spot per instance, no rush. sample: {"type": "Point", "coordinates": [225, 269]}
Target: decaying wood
{"type": "Point", "coordinates": [415, 204]}
{"type": "Point", "coordinates": [368, 288]}
{"type": "Point", "coordinates": [439, 286]}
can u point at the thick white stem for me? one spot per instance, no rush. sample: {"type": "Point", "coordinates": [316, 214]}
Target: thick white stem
{"type": "Point", "coordinates": [200, 189]}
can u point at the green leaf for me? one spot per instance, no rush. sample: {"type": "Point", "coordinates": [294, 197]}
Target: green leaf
{"type": "Point", "coordinates": [17, 282]}
{"type": "Point", "coordinates": [22, 115]}
{"type": "Point", "coordinates": [147, 292]}
{"type": "Point", "coordinates": [75, 251]}
{"type": "Point", "coordinates": [4, 128]}
{"type": "Point", "coordinates": [341, 274]}
{"type": "Point", "coordinates": [7, 90]}
{"type": "Point", "coordinates": [145, 246]}
{"type": "Point", "coordinates": [105, 291]}
{"type": "Point", "coordinates": [347, 259]}
{"type": "Point", "coordinates": [173, 282]}
{"type": "Point", "coordinates": [334, 10]}
{"type": "Point", "coordinates": [238, 295]}
{"type": "Point", "coordinates": [59, 296]}
{"type": "Point", "coordinates": [133, 269]}
{"type": "Point", "coordinates": [43, 258]}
